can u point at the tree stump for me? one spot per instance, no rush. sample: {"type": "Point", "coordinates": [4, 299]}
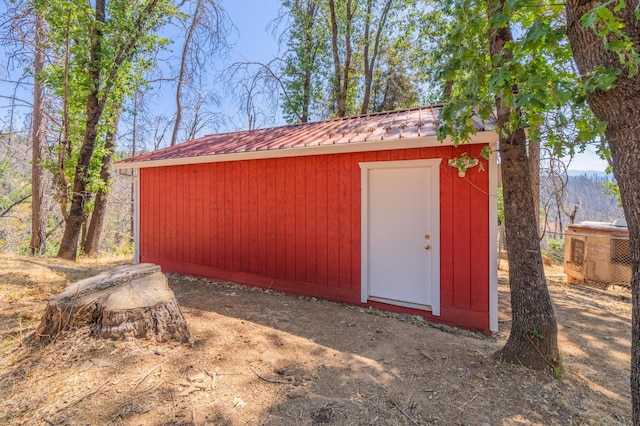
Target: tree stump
{"type": "Point", "coordinates": [129, 301]}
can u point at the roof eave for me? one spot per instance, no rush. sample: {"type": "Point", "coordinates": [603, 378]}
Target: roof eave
{"type": "Point", "coordinates": [485, 136]}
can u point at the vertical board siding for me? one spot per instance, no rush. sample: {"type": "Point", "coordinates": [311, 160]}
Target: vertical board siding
{"type": "Point", "coordinates": [322, 242]}
{"type": "Point", "coordinates": [344, 219]}
{"type": "Point", "coordinates": [479, 228]}
{"type": "Point", "coordinates": [333, 221]}
{"type": "Point", "coordinates": [300, 218]}
{"type": "Point", "coordinates": [447, 255]}
{"type": "Point", "coordinates": [462, 243]}
{"type": "Point", "coordinates": [297, 220]}
{"type": "Point", "coordinates": [311, 222]}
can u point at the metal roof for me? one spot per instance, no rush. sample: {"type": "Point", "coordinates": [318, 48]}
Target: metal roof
{"type": "Point", "coordinates": [607, 227]}
{"type": "Point", "coordinates": [412, 123]}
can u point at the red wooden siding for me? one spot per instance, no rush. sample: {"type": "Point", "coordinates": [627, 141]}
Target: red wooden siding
{"type": "Point", "coordinates": [293, 224]}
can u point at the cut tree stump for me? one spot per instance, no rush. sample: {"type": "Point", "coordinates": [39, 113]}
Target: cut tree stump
{"type": "Point", "coordinates": [129, 301]}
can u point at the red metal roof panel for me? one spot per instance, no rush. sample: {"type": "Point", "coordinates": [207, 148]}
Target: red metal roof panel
{"type": "Point", "coordinates": [402, 124]}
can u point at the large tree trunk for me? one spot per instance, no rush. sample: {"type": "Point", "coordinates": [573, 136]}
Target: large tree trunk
{"type": "Point", "coordinates": [129, 301]}
{"type": "Point", "coordinates": [69, 244]}
{"type": "Point", "coordinates": [94, 233]}
{"type": "Point", "coordinates": [533, 340]}
{"type": "Point", "coordinates": [534, 166]}
{"type": "Point", "coordinates": [38, 216]}
{"type": "Point", "coordinates": [619, 107]}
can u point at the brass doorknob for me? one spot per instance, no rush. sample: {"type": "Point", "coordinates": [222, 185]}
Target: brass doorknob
{"type": "Point", "coordinates": [427, 237]}
{"type": "Point", "coordinates": [427, 246]}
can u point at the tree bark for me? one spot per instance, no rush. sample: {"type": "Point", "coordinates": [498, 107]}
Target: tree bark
{"type": "Point", "coordinates": [69, 244]}
{"type": "Point", "coordinates": [129, 301]}
{"type": "Point", "coordinates": [370, 61]}
{"type": "Point", "coordinates": [94, 233]}
{"type": "Point", "coordinates": [619, 107]}
{"type": "Point", "coordinates": [341, 72]}
{"type": "Point", "coordinates": [534, 332]}
{"type": "Point", "coordinates": [38, 215]}
{"type": "Point", "coordinates": [336, 58]}
{"type": "Point", "coordinates": [534, 167]}
{"type": "Point", "coordinates": [96, 101]}
{"type": "Point", "coordinates": [312, 49]}
{"type": "Point", "coordinates": [183, 71]}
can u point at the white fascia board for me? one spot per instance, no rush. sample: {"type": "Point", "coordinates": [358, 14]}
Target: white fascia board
{"type": "Point", "coordinates": [493, 239]}
{"type": "Point", "coordinates": [426, 142]}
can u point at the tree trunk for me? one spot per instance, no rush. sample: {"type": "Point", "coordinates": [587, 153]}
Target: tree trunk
{"type": "Point", "coordinates": [370, 61]}
{"type": "Point", "coordinates": [183, 71]}
{"type": "Point", "coordinates": [534, 332]}
{"type": "Point", "coordinates": [341, 72]}
{"type": "Point", "coordinates": [619, 107]}
{"type": "Point", "coordinates": [69, 244]}
{"type": "Point", "coordinates": [38, 215]}
{"type": "Point", "coordinates": [94, 233]}
{"type": "Point", "coordinates": [129, 301]}
{"type": "Point", "coordinates": [534, 167]}
{"type": "Point", "coordinates": [368, 66]}
{"type": "Point", "coordinates": [337, 94]}
{"type": "Point", "coordinates": [346, 74]}
{"type": "Point", "coordinates": [533, 338]}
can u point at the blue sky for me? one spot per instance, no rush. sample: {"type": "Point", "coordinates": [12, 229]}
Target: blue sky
{"type": "Point", "coordinates": [251, 17]}
{"type": "Point", "coordinates": [253, 42]}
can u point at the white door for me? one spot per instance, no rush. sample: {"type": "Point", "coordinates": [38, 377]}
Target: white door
{"type": "Point", "coordinates": [402, 235]}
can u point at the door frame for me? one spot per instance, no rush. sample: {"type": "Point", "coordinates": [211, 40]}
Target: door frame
{"type": "Point", "coordinates": [434, 163]}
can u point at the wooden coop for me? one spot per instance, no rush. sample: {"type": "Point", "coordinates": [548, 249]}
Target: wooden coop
{"type": "Point", "coordinates": [597, 254]}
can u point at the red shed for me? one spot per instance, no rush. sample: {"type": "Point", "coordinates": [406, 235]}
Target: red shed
{"type": "Point", "coordinates": [363, 210]}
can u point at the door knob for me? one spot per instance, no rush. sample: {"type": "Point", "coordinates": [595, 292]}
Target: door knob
{"type": "Point", "coordinates": [427, 246]}
{"type": "Point", "coordinates": [427, 237]}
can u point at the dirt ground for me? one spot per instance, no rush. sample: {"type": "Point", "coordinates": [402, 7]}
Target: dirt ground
{"type": "Point", "coordinates": [263, 358]}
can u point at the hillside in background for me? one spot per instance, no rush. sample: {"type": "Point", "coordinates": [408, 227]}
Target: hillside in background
{"type": "Point", "coordinates": [585, 190]}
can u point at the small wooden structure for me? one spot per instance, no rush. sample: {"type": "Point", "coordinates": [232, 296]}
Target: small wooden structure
{"type": "Point", "coordinates": [597, 253]}
{"type": "Point", "coordinates": [129, 301]}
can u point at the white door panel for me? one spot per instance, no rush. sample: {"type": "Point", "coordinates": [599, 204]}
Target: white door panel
{"type": "Point", "coordinates": [400, 208]}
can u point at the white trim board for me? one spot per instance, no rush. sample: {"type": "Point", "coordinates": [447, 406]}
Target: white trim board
{"type": "Point", "coordinates": [435, 225]}
{"type": "Point", "coordinates": [136, 216]}
{"type": "Point", "coordinates": [425, 142]}
{"type": "Point", "coordinates": [493, 239]}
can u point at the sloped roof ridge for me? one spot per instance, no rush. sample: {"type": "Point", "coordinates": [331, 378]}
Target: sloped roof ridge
{"type": "Point", "coordinates": [335, 119]}
{"type": "Point", "coordinates": [371, 129]}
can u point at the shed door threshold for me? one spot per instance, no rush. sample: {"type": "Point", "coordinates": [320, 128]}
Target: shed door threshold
{"type": "Point", "coordinates": [401, 303]}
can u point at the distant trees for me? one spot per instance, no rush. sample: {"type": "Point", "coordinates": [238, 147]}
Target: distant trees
{"type": "Point", "coordinates": [572, 198]}
{"type": "Point", "coordinates": [88, 61]}
{"type": "Point", "coordinates": [205, 27]}
{"type": "Point", "coordinates": [102, 50]}
{"type": "Point", "coordinates": [341, 58]}
{"type": "Point", "coordinates": [306, 41]}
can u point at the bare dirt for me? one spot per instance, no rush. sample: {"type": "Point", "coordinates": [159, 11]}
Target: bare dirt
{"type": "Point", "coordinates": [263, 358]}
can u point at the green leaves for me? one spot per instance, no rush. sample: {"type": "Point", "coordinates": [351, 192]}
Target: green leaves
{"type": "Point", "coordinates": [125, 43]}
{"type": "Point", "coordinates": [532, 74]}
{"type": "Point", "coordinates": [601, 79]}
{"type": "Point", "coordinates": [605, 21]}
